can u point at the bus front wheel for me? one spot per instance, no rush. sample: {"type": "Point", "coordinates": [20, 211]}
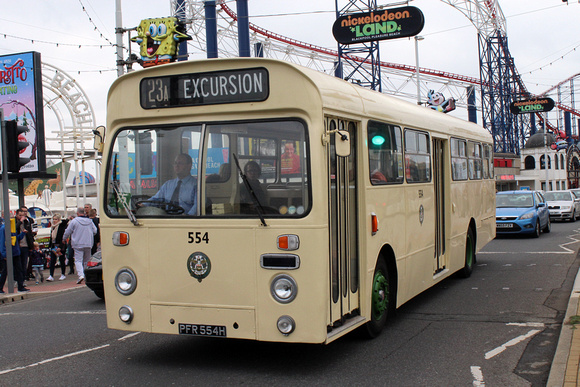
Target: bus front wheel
{"type": "Point", "coordinates": [380, 300]}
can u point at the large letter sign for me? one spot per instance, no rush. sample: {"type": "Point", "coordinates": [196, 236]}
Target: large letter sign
{"type": "Point", "coordinates": [378, 25]}
{"type": "Point", "coordinates": [536, 105]}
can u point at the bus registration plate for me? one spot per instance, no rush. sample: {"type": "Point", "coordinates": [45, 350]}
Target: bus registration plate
{"type": "Point", "coordinates": [202, 330]}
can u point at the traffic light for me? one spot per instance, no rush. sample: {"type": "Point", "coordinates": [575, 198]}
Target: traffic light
{"type": "Point", "coordinates": [16, 143]}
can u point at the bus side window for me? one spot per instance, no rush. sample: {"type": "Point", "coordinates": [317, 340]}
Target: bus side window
{"type": "Point", "coordinates": [458, 159]}
{"type": "Point", "coordinates": [385, 153]}
{"type": "Point", "coordinates": [417, 157]}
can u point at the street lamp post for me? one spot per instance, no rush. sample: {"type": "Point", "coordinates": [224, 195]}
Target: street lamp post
{"type": "Point", "coordinates": [417, 38]}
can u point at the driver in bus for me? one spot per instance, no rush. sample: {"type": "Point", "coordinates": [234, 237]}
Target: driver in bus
{"type": "Point", "coordinates": [253, 171]}
{"type": "Point", "coordinates": [181, 191]}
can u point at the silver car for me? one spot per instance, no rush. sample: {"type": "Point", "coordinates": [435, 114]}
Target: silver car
{"type": "Point", "coordinates": [563, 205]}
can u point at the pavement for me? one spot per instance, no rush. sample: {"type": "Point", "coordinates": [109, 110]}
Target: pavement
{"type": "Point", "coordinates": [43, 288]}
{"type": "Point", "coordinates": [565, 370]}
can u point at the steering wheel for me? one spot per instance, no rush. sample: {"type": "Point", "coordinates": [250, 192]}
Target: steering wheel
{"type": "Point", "coordinates": [169, 207]}
{"type": "Point", "coordinates": [138, 199]}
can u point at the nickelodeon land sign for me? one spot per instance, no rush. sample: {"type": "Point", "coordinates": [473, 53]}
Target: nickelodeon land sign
{"type": "Point", "coordinates": [537, 105]}
{"type": "Point", "coordinates": [392, 23]}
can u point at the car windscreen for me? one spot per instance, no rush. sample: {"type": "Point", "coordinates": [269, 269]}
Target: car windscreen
{"type": "Point", "coordinates": [558, 196]}
{"type": "Point", "coordinates": [522, 200]}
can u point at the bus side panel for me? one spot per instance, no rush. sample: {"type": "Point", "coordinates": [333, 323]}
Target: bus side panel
{"type": "Point", "coordinates": [461, 210]}
{"type": "Point", "coordinates": [388, 203]}
{"type": "Point", "coordinates": [420, 237]}
{"type": "Point", "coordinates": [482, 201]}
{"type": "Point", "coordinates": [486, 225]}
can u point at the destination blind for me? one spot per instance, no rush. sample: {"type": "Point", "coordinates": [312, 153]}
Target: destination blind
{"type": "Point", "coordinates": [197, 89]}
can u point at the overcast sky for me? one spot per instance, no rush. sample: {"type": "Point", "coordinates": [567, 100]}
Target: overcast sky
{"type": "Point", "coordinates": [543, 36]}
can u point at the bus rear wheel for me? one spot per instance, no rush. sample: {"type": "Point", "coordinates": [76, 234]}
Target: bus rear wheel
{"type": "Point", "coordinates": [380, 300]}
{"type": "Point", "coordinates": [469, 255]}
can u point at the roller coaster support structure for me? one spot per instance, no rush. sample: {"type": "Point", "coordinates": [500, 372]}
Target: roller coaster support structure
{"type": "Point", "coordinates": [366, 76]}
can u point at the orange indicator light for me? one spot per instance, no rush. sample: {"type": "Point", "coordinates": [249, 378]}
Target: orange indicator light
{"type": "Point", "coordinates": [120, 238]}
{"type": "Point", "coordinates": [288, 242]}
{"type": "Point", "coordinates": [374, 223]}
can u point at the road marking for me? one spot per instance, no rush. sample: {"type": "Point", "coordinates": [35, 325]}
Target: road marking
{"type": "Point", "coordinates": [128, 336]}
{"type": "Point", "coordinates": [512, 342]}
{"type": "Point", "coordinates": [477, 376]}
{"type": "Point", "coordinates": [528, 324]}
{"type": "Point", "coordinates": [54, 359]}
{"type": "Point", "coordinates": [573, 238]}
{"type": "Point", "coordinates": [526, 252]}
{"type": "Point", "coordinates": [77, 312]}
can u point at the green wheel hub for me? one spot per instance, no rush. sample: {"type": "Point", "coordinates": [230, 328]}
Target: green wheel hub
{"type": "Point", "coordinates": [380, 300]}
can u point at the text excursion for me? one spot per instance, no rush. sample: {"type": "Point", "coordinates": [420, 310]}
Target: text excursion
{"type": "Point", "coordinates": [234, 86]}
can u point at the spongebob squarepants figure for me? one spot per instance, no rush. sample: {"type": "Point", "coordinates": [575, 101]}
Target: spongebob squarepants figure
{"type": "Point", "coordinates": [158, 39]}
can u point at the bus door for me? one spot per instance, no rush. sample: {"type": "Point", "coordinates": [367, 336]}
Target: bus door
{"type": "Point", "coordinates": [439, 194]}
{"type": "Point", "coordinates": [344, 266]}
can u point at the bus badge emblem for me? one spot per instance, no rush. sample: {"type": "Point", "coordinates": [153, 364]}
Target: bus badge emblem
{"type": "Point", "coordinates": [198, 265]}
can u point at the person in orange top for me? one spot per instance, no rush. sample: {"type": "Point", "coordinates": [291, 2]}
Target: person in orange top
{"type": "Point", "coordinates": [290, 162]}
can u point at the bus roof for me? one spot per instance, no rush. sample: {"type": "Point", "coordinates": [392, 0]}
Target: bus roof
{"type": "Point", "coordinates": [293, 85]}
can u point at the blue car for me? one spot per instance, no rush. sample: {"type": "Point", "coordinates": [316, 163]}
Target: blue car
{"type": "Point", "coordinates": [521, 212]}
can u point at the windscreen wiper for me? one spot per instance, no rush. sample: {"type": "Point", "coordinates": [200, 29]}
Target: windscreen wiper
{"type": "Point", "coordinates": [115, 185]}
{"type": "Point", "coordinates": [248, 186]}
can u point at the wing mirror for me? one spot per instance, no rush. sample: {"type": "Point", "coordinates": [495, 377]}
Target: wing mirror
{"type": "Point", "coordinates": [99, 139]}
{"type": "Point", "coordinates": [342, 143]}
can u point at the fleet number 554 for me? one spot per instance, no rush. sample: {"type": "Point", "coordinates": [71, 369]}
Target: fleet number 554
{"type": "Point", "coordinates": [197, 237]}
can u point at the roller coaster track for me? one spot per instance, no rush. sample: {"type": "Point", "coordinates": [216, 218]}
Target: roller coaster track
{"type": "Point", "coordinates": [326, 51]}
{"type": "Point", "coordinates": [454, 84]}
{"type": "Point", "coordinates": [526, 94]}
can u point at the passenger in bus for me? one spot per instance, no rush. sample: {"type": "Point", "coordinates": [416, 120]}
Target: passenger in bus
{"type": "Point", "coordinates": [181, 191]}
{"type": "Point", "coordinates": [377, 177]}
{"type": "Point", "coordinates": [253, 171]}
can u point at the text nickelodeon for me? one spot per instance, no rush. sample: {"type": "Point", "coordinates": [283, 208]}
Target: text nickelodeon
{"type": "Point", "coordinates": [532, 105]}
{"type": "Point", "coordinates": [374, 18]}
{"type": "Point", "coordinates": [372, 26]}
{"type": "Point", "coordinates": [533, 102]}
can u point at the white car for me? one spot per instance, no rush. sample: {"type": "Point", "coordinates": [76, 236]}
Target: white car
{"type": "Point", "coordinates": [563, 205]}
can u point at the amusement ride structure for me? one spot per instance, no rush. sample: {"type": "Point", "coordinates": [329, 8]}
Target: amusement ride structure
{"type": "Point", "coordinates": [499, 83]}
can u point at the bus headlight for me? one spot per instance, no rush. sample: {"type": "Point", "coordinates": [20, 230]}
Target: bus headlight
{"type": "Point", "coordinates": [125, 281]}
{"type": "Point", "coordinates": [126, 314]}
{"type": "Point", "coordinates": [286, 325]}
{"type": "Point", "coordinates": [284, 288]}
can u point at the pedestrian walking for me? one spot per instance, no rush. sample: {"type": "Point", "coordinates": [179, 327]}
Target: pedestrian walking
{"type": "Point", "coordinates": [57, 246]}
{"type": "Point", "coordinates": [81, 231]}
{"type": "Point", "coordinates": [24, 223]}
